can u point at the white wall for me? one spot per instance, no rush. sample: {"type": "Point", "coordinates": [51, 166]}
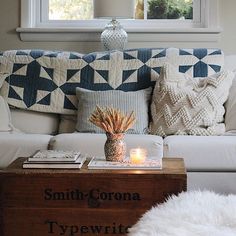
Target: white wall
{"type": "Point", "coordinates": [10, 20]}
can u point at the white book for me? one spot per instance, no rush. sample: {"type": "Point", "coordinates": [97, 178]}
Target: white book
{"type": "Point", "coordinates": [55, 165]}
{"type": "Point", "coordinates": [54, 156]}
{"type": "Point", "coordinates": [101, 163]}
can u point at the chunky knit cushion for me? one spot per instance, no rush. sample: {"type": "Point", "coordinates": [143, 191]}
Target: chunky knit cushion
{"type": "Point", "coordinates": [185, 105]}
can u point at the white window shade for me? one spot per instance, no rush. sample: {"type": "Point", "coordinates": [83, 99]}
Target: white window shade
{"type": "Point", "coordinates": [114, 8]}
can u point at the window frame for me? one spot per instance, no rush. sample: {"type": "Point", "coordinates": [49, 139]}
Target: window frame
{"type": "Point", "coordinates": [42, 19]}
{"type": "Point", "coordinates": [32, 29]}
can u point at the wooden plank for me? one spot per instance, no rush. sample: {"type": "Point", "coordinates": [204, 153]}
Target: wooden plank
{"type": "Point", "coordinates": [173, 166]}
{"type": "Point", "coordinates": [81, 192]}
{"type": "Point", "coordinates": [69, 222]}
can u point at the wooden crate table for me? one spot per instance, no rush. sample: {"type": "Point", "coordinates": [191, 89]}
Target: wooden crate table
{"type": "Point", "coordinates": [82, 202]}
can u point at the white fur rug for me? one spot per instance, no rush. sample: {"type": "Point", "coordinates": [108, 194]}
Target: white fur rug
{"type": "Point", "coordinates": [190, 214]}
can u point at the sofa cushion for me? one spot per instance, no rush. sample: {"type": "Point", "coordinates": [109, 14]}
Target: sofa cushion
{"type": "Point", "coordinates": [57, 74]}
{"type": "Point", "coordinates": [230, 107]}
{"type": "Point", "coordinates": [127, 102]}
{"type": "Point", "coordinates": [230, 62]}
{"type": "Point", "coordinates": [14, 145]}
{"type": "Point", "coordinates": [5, 116]}
{"type": "Point", "coordinates": [67, 124]}
{"type": "Point", "coordinates": [219, 182]}
{"type": "Point", "coordinates": [203, 153]}
{"type": "Point", "coordinates": [93, 144]}
{"type": "Point", "coordinates": [185, 105]}
{"type": "Point", "coordinates": [32, 122]}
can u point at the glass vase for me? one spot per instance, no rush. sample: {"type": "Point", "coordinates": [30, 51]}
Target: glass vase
{"type": "Point", "coordinates": [114, 36]}
{"type": "Point", "coordinates": [115, 147]}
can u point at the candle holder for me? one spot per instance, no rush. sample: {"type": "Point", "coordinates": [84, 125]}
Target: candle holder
{"type": "Point", "coordinates": [138, 155]}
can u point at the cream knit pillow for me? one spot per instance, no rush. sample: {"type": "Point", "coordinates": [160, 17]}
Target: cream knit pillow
{"type": "Point", "coordinates": [184, 105]}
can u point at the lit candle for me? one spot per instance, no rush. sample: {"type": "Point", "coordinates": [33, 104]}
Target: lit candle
{"type": "Point", "coordinates": [138, 155]}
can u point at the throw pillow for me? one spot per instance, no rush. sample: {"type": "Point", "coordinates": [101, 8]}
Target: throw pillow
{"type": "Point", "coordinates": [230, 106]}
{"type": "Point", "coordinates": [185, 105]}
{"type": "Point", "coordinates": [67, 124]}
{"type": "Point", "coordinates": [5, 121]}
{"type": "Point", "coordinates": [125, 101]}
{"type": "Point", "coordinates": [5, 118]}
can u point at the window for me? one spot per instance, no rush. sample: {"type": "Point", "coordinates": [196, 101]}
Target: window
{"type": "Point", "coordinates": [144, 9]}
{"type": "Point", "coordinates": [158, 18]}
{"type": "Point", "coordinates": [69, 10]}
{"type": "Point", "coordinates": [183, 13]}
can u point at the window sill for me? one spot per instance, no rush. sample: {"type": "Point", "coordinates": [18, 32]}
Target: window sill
{"type": "Point", "coordinates": [134, 34]}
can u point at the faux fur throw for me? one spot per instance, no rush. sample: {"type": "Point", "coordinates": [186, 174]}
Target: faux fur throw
{"type": "Point", "coordinates": [190, 214]}
{"type": "Point", "coordinates": [185, 105]}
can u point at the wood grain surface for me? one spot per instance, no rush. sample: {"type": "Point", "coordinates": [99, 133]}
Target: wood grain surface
{"type": "Point", "coordinates": [82, 202]}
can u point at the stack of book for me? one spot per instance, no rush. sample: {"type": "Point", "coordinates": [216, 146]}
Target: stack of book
{"type": "Point", "coordinates": [53, 159]}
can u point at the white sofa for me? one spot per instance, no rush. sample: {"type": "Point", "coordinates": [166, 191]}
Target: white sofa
{"type": "Point", "coordinates": [210, 160]}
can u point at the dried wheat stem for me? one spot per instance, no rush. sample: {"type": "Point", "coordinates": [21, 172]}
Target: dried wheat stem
{"type": "Point", "coordinates": [112, 120]}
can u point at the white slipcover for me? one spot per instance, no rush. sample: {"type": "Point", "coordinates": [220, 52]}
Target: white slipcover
{"type": "Point", "coordinates": [14, 145]}
{"type": "Point", "coordinates": [32, 122]}
{"type": "Point", "coordinates": [203, 153]}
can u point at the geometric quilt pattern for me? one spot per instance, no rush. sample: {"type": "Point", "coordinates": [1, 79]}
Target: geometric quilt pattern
{"type": "Point", "coordinates": [46, 81]}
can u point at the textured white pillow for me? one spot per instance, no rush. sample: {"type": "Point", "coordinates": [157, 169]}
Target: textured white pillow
{"type": "Point", "coordinates": [184, 105]}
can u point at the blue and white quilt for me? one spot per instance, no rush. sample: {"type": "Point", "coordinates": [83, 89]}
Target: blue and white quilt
{"type": "Point", "coordinates": [46, 80]}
